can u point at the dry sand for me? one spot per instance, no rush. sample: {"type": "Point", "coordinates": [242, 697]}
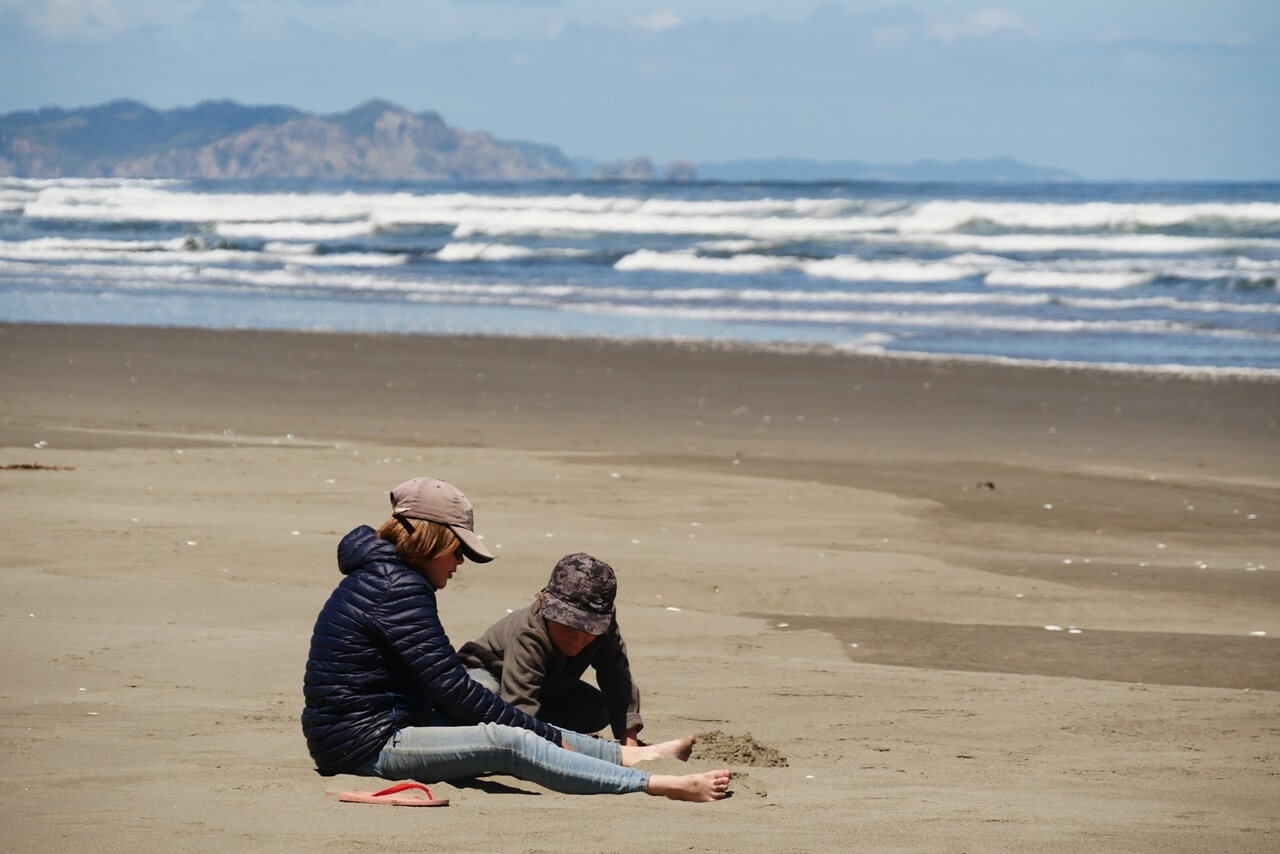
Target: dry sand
{"type": "Point", "coordinates": [847, 562]}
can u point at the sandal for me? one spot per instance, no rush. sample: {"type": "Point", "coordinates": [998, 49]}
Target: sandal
{"type": "Point", "coordinates": [387, 796]}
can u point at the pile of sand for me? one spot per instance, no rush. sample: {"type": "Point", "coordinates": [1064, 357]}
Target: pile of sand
{"type": "Point", "coordinates": [716, 746]}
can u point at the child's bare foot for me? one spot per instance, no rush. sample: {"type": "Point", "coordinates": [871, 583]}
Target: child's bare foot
{"type": "Point", "coordinates": [677, 748]}
{"type": "Point", "coordinates": [702, 788]}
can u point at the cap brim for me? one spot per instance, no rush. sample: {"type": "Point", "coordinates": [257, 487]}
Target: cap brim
{"type": "Point", "coordinates": [575, 618]}
{"type": "Point", "coordinates": [472, 546]}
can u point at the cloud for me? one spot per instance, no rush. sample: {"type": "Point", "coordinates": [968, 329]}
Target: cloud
{"type": "Point", "coordinates": [555, 25]}
{"type": "Point", "coordinates": [984, 22]}
{"type": "Point", "coordinates": [658, 21]}
{"type": "Point", "coordinates": [72, 19]}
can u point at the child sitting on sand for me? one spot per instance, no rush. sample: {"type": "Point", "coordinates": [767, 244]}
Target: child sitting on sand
{"type": "Point", "coordinates": [386, 695]}
{"type": "Point", "coordinates": [534, 657]}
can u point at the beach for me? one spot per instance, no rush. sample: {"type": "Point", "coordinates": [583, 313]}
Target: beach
{"type": "Point", "coordinates": [977, 607]}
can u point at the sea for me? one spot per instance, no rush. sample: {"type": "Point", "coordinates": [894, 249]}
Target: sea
{"type": "Point", "coordinates": [1154, 277]}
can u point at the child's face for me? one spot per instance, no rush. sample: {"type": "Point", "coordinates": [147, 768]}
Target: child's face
{"type": "Point", "coordinates": [568, 640]}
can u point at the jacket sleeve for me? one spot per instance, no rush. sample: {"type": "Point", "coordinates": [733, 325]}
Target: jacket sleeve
{"type": "Point", "coordinates": [413, 631]}
{"type": "Point", "coordinates": [613, 674]}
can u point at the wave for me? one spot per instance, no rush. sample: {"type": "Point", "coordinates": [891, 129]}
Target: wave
{"type": "Point", "coordinates": [147, 201]}
{"type": "Point", "coordinates": [185, 249]}
{"type": "Point", "coordinates": [688, 262]}
{"type": "Point", "coordinates": [854, 229]}
{"type": "Point", "coordinates": [68, 246]}
{"type": "Point", "coordinates": [295, 230]}
{"type": "Point", "coordinates": [1139, 244]}
{"type": "Point", "coordinates": [501, 252]}
{"type": "Point", "coordinates": [818, 263]}
{"type": "Point", "coordinates": [908, 320]}
{"type": "Point", "coordinates": [994, 270]}
{"type": "Point", "coordinates": [849, 268]}
{"type": "Point", "coordinates": [304, 276]}
{"type": "Point", "coordinates": [946, 215]}
{"type": "Point", "coordinates": [1067, 279]}
{"type": "Point", "coordinates": [474, 213]}
{"type": "Point", "coordinates": [1099, 273]}
{"type": "Point", "coordinates": [1201, 372]}
{"type": "Point", "coordinates": [143, 253]}
{"type": "Point", "coordinates": [853, 269]}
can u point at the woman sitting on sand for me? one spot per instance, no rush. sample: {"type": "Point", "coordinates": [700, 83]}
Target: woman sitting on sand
{"type": "Point", "coordinates": [386, 695]}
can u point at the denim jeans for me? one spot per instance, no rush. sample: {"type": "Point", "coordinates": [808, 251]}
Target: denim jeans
{"type": "Point", "coordinates": [434, 753]}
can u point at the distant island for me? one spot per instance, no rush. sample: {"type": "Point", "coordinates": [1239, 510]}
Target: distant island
{"type": "Point", "coordinates": [379, 141]}
{"type": "Point", "coordinates": [996, 169]}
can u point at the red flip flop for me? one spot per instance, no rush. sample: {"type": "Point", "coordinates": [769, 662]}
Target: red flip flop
{"type": "Point", "coordinates": [387, 796]}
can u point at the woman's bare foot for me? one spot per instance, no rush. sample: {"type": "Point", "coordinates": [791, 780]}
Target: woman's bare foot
{"type": "Point", "coordinates": [677, 748]}
{"type": "Point", "coordinates": [702, 788]}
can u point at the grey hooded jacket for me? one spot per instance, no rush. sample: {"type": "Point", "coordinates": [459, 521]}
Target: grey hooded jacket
{"type": "Point", "coordinates": [518, 651]}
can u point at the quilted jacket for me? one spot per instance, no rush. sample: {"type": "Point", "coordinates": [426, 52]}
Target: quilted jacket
{"type": "Point", "coordinates": [380, 661]}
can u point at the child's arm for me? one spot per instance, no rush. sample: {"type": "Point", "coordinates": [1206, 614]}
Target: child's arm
{"type": "Point", "coordinates": [621, 694]}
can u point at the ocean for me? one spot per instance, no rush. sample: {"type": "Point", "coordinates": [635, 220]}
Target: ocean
{"type": "Point", "coordinates": [1154, 277]}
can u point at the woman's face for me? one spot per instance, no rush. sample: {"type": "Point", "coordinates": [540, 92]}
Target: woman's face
{"type": "Point", "coordinates": [440, 569]}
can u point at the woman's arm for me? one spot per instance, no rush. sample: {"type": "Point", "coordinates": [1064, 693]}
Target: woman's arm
{"type": "Point", "coordinates": [412, 627]}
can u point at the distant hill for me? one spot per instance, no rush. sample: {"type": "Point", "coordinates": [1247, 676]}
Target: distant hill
{"type": "Point", "coordinates": [376, 140]}
{"type": "Point", "coordinates": [1001, 169]}
{"type": "Point", "coordinates": [379, 140]}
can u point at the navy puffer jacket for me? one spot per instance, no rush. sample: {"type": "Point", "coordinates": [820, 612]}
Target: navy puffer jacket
{"type": "Point", "coordinates": [380, 661]}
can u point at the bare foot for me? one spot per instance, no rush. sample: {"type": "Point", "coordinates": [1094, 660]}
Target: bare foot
{"type": "Point", "coordinates": [701, 788]}
{"type": "Point", "coordinates": [677, 748]}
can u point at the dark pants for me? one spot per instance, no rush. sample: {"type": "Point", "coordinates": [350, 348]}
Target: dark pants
{"type": "Point", "coordinates": [579, 708]}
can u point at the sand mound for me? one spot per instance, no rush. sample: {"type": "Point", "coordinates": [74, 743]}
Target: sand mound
{"type": "Point", "coordinates": [716, 746]}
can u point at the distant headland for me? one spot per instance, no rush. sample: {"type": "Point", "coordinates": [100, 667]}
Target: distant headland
{"type": "Point", "coordinates": [379, 141]}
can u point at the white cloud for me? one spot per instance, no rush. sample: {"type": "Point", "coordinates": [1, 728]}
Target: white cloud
{"type": "Point", "coordinates": [555, 25]}
{"type": "Point", "coordinates": [72, 19]}
{"type": "Point", "coordinates": [95, 20]}
{"type": "Point", "coordinates": [658, 21]}
{"type": "Point", "coordinates": [984, 22]}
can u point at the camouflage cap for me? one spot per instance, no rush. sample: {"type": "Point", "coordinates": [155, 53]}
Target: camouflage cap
{"type": "Point", "coordinates": [580, 593]}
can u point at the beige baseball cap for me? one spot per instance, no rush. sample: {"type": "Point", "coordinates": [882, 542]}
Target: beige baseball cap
{"type": "Point", "coordinates": [435, 500]}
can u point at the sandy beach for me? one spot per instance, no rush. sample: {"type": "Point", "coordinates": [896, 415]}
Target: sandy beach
{"type": "Point", "coordinates": [975, 607]}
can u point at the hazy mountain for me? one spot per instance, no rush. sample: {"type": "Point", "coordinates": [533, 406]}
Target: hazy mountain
{"type": "Point", "coordinates": [788, 169]}
{"type": "Point", "coordinates": [376, 140]}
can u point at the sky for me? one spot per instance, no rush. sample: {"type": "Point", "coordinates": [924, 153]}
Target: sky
{"type": "Point", "coordinates": [1109, 89]}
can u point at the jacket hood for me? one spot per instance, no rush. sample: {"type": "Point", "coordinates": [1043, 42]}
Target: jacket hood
{"type": "Point", "coordinates": [362, 546]}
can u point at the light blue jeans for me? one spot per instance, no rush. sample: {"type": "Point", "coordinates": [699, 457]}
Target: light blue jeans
{"type": "Point", "coordinates": [434, 753]}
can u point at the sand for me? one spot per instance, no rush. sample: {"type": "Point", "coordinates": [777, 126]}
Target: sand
{"type": "Point", "coordinates": [974, 608]}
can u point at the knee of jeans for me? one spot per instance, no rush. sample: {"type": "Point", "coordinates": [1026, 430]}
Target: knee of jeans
{"type": "Point", "coordinates": [509, 738]}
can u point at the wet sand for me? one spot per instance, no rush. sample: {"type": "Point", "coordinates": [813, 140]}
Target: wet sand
{"type": "Point", "coordinates": [852, 561]}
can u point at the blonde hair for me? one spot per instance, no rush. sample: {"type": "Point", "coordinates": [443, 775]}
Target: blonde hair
{"type": "Point", "coordinates": [418, 541]}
